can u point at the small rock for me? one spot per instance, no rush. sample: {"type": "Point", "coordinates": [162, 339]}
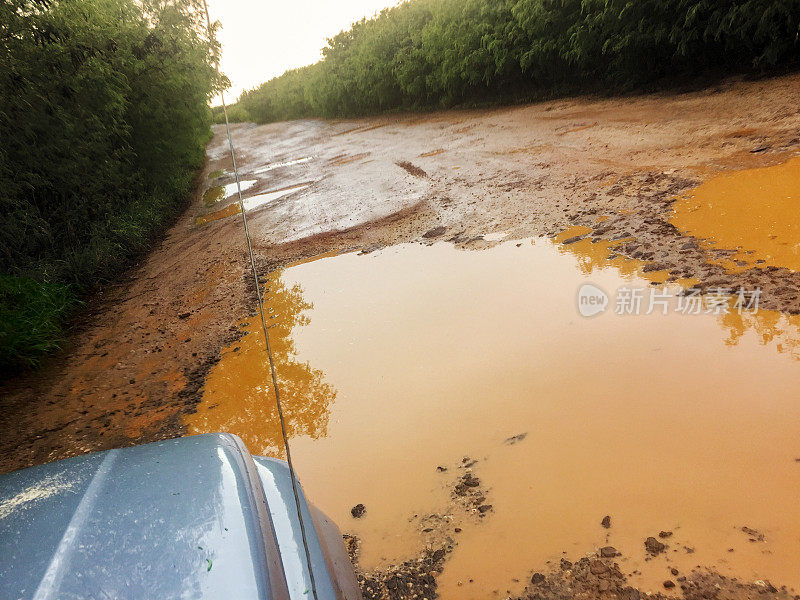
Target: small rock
{"type": "Point", "coordinates": [517, 438]}
{"type": "Point", "coordinates": [761, 148]}
{"type": "Point", "coordinates": [608, 552]}
{"type": "Point", "coordinates": [565, 564]}
{"type": "Point", "coordinates": [674, 571]}
{"type": "Point", "coordinates": [606, 522]}
{"type": "Point", "coordinates": [573, 239]}
{"type": "Point", "coordinates": [669, 584]}
{"type": "Point", "coordinates": [653, 546]}
{"type": "Point", "coordinates": [755, 534]}
{"type": "Point", "coordinates": [435, 232]}
{"type": "Point", "coordinates": [358, 511]}
{"type": "Point", "coordinates": [441, 469]}
{"type": "Point", "coordinates": [598, 567]}
{"type": "Point", "coordinates": [185, 315]}
{"type": "Point", "coordinates": [665, 534]}
{"type": "Point", "coordinates": [537, 579]}
{"type": "Point", "coordinates": [485, 508]}
{"type": "Point", "coordinates": [630, 593]}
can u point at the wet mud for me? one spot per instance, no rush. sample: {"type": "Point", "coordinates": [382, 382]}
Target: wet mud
{"type": "Point", "coordinates": [574, 190]}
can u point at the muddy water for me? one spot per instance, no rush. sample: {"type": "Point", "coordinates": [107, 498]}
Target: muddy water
{"type": "Point", "coordinates": [250, 203]}
{"type": "Point", "coordinates": [395, 362]}
{"type": "Point", "coordinates": [754, 211]}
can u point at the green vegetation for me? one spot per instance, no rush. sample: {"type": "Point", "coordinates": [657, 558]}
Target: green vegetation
{"type": "Point", "coordinates": [103, 121]}
{"type": "Point", "coordinates": [236, 114]}
{"type": "Point", "coordinates": [437, 53]}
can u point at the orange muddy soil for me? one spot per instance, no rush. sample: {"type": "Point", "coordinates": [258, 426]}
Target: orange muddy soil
{"type": "Point", "coordinates": [643, 187]}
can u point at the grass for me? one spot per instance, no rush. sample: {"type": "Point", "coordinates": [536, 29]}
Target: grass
{"type": "Point", "coordinates": [32, 314]}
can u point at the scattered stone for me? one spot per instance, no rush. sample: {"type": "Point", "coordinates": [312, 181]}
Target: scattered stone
{"type": "Point", "coordinates": [630, 594]}
{"type": "Point", "coordinates": [597, 567]}
{"type": "Point", "coordinates": [755, 534]}
{"type": "Point", "coordinates": [653, 546]}
{"type": "Point", "coordinates": [185, 315]}
{"type": "Point", "coordinates": [596, 578]}
{"type": "Point", "coordinates": [517, 438]}
{"type": "Point", "coordinates": [358, 511]}
{"type": "Point", "coordinates": [606, 522]}
{"type": "Point", "coordinates": [435, 232]}
{"type": "Point", "coordinates": [608, 552]}
{"type": "Point", "coordinates": [441, 469]}
{"type": "Point", "coordinates": [768, 587]}
{"type": "Point", "coordinates": [484, 508]}
{"type": "Point", "coordinates": [674, 571]}
{"type": "Point", "coordinates": [573, 239]}
{"type": "Point", "coordinates": [470, 480]}
{"type": "Point", "coordinates": [664, 534]}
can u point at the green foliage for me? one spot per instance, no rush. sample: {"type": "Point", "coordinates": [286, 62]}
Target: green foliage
{"type": "Point", "coordinates": [236, 114]}
{"type": "Point", "coordinates": [429, 53]}
{"type": "Point", "coordinates": [31, 313]}
{"type": "Point", "coordinates": [104, 116]}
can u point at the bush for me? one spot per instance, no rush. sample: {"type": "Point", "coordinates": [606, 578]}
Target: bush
{"type": "Point", "coordinates": [31, 314]}
{"type": "Point", "coordinates": [433, 53]}
{"type": "Point", "coordinates": [104, 117]}
{"type": "Point", "coordinates": [236, 114]}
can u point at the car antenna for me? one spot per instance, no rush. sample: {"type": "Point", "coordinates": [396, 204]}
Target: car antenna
{"type": "Point", "coordinates": [261, 313]}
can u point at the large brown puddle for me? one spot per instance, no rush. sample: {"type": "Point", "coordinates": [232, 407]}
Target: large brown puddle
{"type": "Point", "coordinates": [755, 211]}
{"type": "Point", "coordinates": [395, 362]}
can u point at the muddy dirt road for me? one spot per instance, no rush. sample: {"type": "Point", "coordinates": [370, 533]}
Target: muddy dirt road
{"type": "Point", "coordinates": [421, 274]}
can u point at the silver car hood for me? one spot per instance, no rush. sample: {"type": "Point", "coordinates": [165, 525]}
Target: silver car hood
{"type": "Point", "coordinates": [184, 518]}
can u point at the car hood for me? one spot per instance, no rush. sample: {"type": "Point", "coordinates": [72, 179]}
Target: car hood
{"type": "Point", "coordinates": [182, 518]}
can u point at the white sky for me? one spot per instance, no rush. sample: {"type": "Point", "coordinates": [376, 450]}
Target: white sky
{"type": "Point", "coordinates": [263, 38]}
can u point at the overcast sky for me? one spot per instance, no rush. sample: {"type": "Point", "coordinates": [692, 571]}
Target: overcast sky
{"type": "Point", "coordinates": [263, 38]}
